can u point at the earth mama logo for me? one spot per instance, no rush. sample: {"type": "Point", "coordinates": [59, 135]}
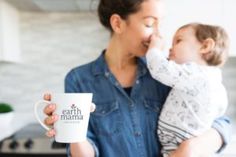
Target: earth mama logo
{"type": "Point", "coordinates": [72, 114]}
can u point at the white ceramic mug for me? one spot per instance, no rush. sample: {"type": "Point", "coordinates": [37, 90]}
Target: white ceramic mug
{"type": "Point", "coordinates": [73, 110]}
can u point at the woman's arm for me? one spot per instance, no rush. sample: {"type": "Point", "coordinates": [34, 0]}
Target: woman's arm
{"type": "Point", "coordinates": [86, 148]}
{"type": "Point", "coordinates": [208, 143]}
{"type": "Point", "coordinates": [82, 149]}
{"type": "Point", "coordinates": [202, 146]}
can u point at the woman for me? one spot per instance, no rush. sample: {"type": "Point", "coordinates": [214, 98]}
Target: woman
{"type": "Point", "coordinates": [127, 99]}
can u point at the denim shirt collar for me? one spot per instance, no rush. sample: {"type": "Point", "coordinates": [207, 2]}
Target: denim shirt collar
{"type": "Point", "coordinates": [100, 66]}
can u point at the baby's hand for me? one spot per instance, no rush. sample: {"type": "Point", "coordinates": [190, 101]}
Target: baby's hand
{"type": "Point", "coordinates": [156, 42]}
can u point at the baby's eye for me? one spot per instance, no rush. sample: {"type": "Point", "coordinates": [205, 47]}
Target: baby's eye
{"type": "Point", "coordinates": [178, 40]}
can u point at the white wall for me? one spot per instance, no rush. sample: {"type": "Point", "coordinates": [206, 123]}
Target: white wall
{"type": "Point", "coordinates": [229, 20]}
{"type": "Point", "coordinates": [219, 12]}
{"type": "Point", "coordinates": [51, 44]}
{"type": "Point", "coordinates": [9, 33]}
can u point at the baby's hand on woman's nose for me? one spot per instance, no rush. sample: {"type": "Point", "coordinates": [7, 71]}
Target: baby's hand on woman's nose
{"type": "Point", "coordinates": [156, 42]}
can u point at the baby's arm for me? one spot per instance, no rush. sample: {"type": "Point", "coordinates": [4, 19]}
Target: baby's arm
{"type": "Point", "coordinates": [180, 76]}
{"type": "Point", "coordinates": [168, 72]}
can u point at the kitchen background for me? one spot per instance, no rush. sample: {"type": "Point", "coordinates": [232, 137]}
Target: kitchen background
{"type": "Point", "coordinates": [41, 40]}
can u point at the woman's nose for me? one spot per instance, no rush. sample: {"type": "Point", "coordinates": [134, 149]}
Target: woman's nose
{"type": "Point", "coordinates": [156, 30]}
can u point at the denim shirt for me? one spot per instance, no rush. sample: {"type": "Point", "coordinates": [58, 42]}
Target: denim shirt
{"type": "Point", "coordinates": [123, 125]}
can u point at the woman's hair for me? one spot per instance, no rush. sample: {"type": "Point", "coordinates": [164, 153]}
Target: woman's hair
{"type": "Point", "coordinates": [219, 54]}
{"type": "Point", "coordinates": [121, 7]}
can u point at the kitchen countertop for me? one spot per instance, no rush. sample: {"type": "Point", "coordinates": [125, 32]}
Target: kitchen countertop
{"type": "Point", "coordinates": [19, 121]}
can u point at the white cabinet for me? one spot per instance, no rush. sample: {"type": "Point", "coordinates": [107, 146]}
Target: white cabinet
{"type": "Point", "coordinates": [9, 33]}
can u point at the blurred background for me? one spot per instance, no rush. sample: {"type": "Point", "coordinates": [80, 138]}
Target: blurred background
{"type": "Point", "coordinates": [41, 40]}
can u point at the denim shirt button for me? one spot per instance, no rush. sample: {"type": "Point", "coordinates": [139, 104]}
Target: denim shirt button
{"type": "Point", "coordinates": [107, 74]}
{"type": "Point", "coordinates": [131, 103]}
{"type": "Point", "coordinates": [137, 134]}
{"type": "Point", "coordinates": [137, 82]}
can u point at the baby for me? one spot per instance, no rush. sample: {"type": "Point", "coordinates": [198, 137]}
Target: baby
{"type": "Point", "coordinates": [198, 96]}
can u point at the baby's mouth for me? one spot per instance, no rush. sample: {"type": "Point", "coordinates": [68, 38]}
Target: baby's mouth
{"type": "Point", "coordinates": [170, 57]}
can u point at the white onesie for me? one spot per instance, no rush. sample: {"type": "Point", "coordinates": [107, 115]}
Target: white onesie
{"type": "Point", "coordinates": [197, 98]}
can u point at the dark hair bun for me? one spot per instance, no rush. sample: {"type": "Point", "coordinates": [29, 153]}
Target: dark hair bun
{"type": "Point", "coordinates": [124, 8]}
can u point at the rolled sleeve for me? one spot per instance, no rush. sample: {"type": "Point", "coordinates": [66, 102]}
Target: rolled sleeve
{"type": "Point", "coordinates": [223, 126]}
{"type": "Point", "coordinates": [68, 150]}
{"type": "Point", "coordinates": [94, 147]}
{"type": "Point", "coordinates": [90, 141]}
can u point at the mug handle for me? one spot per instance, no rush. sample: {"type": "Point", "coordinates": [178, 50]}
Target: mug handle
{"type": "Point", "coordinates": [36, 113]}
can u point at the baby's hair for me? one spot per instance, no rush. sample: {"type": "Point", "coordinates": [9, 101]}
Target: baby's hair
{"type": "Point", "coordinates": [219, 54]}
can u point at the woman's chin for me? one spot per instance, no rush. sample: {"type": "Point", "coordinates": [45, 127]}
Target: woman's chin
{"type": "Point", "coordinates": [146, 44]}
{"type": "Point", "coordinates": [144, 52]}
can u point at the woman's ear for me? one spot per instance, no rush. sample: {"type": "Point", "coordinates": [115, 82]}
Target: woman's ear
{"type": "Point", "coordinates": [207, 45]}
{"type": "Point", "coordinates": [116, 23]}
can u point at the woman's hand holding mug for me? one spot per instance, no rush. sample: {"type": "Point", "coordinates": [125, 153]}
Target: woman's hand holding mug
{"type": "Point", "coordinates": [52, 118]}
{"type": "Point", "coordinates": [67, 116]}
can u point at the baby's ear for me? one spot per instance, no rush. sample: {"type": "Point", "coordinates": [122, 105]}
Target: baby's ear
{"type": "Point", "coordinates": [207, 45]}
